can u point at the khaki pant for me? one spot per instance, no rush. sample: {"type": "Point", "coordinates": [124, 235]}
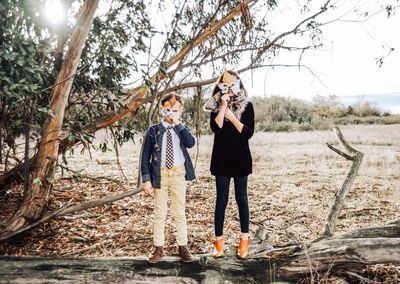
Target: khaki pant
{"type": "Point", "coordinates": [172, 180]}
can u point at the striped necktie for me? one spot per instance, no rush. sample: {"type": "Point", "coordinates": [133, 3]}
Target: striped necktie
{"type": "Point", "coordinates": [169, 153]}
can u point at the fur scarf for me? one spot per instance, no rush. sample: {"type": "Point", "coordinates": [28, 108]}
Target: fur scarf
{"type": "Point", "coordinates": [237, 104]}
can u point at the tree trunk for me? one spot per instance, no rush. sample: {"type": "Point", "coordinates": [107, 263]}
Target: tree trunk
{"type": "Point", "coordinates": [37, 197]}
{"type": "Point", "coordinates": [2, 121]}
{"type": "Point", "coordinates": [27, 129]}
{"type": "Point", "coordinates": [1, 144]}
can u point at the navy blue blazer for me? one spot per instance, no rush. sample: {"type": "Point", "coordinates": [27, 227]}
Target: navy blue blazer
{"type": "Point", "coordinates": [151, 155]}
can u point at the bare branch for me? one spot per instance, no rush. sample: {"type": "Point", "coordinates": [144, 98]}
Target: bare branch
{"type": "Point", "coordinates": [347, 157]}
{"type": "Point", "coordinates": [347, 184]}
{"type": "Point", "coordinates": [294, 30]}
{"type": "Point", "coordinates": [72, 209]}
{"type": "Point", "coordinates": [343, 142]}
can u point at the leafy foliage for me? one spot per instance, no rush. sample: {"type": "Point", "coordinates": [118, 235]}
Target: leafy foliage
{"type": "Point", "coordinates": [25, 69]}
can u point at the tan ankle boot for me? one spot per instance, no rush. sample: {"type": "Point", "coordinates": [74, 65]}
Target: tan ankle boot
{"type": "Point", "coordinates": [156, 255]}
{"type": "Point", "coordinates": [243, 248]}
{"type": "Point", "coordinates": [218, 248]}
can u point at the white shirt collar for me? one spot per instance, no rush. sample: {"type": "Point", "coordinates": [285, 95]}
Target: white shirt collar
{"type": "Point", "coordinates": [166, 124]}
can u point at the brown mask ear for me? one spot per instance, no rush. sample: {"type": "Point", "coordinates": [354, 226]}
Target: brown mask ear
{"type": "Point", "coordinates": [227, 78]}
{"type": "Point", "coordinates": [172, 101]}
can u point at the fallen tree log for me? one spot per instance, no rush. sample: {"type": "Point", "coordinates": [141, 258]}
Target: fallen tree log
{"type": "Point", "coordinates": [127, 270]}
{"type": "Point", "coordinates": [337, 256]}
{"type": "Point", "coordinates": [344, 255]}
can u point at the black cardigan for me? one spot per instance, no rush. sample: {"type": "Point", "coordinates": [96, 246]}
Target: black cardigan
{"type": "Point", "coordinates": [231, 155]}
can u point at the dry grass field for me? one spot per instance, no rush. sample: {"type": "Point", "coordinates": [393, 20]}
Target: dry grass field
{"type": "Point", "coordinates": [295, 177]}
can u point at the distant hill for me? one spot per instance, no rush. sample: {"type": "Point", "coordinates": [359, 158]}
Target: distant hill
{"type": "Point", "coordinates": [388, 102]}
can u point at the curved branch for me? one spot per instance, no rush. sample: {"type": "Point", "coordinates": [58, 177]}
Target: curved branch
{"type": "Point", "coordinates": [342, 141]}
{"type": "Point", "coordinates": [338, 202]}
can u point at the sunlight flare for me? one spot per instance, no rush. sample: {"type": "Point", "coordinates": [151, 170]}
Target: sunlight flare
{"type": "Point", "coordinates": [54, 11]}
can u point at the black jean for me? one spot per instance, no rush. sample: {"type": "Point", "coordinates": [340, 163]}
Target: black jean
{"type": "Point", "coordinates": [222, 184]}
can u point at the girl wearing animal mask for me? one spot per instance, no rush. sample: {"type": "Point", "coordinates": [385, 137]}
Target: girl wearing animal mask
{"type": "Point", "coordinates": [232, 121]}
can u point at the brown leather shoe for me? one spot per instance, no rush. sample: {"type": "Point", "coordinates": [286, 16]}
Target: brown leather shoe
{"type": "Point", "coordinates": [185, 254]}
{"type": "Point", "coordinates": [155, 255]}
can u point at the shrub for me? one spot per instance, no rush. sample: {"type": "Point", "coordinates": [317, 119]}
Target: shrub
{"type": "Point", "coordinates": [328, 107]}
{"type": "Point", "coordinates": [393, 119]}
{"type": "Point", "coordinates": [275, 109]}
{"type": "Point", "coordinates": [367, 109]}
{"type": "Point", "coordinates": [321, 124]}
{"type": "Point", "coordinates": [306, 126]}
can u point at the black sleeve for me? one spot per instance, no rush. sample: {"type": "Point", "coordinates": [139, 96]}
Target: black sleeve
{"type": "Point", "coordinates": [248, 121]}
{"type": "Point", "coordinates": [214, 126]}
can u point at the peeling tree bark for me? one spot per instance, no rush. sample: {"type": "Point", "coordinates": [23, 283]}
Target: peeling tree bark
{"type": "Point", "coordinates": [36, 198]}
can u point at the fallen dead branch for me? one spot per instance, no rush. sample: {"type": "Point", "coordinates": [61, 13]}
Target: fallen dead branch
{"type": "Point", "coordinates": [356, 157]}
{"type": "Point", "coordinates": [74, 208]}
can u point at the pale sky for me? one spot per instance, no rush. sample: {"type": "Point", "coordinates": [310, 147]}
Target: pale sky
{"type": "Point", "coordinates": [346, 67]}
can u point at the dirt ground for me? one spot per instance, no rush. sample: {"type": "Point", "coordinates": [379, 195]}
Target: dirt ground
{"type": "Point", "coordinates": [295, 177]}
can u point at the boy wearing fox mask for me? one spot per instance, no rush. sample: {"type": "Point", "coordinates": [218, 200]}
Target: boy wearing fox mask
{"type": "Point", "coordinates": [165, 166]}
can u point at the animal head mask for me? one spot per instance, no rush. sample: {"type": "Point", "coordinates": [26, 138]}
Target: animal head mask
{"type": "Point", "coordinates": [229, 81]}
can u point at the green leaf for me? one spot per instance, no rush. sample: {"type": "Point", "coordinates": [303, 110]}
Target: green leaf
{"type": "Point", "coordinates": [22, 49]}
{"type": "Point", "coordinates": [20, 62]}
{"type": "Point", "coordinates": [37, 181]}
{"type": "Point", "coordinates": [46, 110]}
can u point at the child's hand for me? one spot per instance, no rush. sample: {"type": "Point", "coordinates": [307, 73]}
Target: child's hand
{"type": "Point", "coordinates": [176, 119]}
{"type": "Point", "coordinates": [229, 115]}
{"type": "Point", "coordinates": [148, 188]}
{"type": "Point", "coordinates": [224, 100]}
